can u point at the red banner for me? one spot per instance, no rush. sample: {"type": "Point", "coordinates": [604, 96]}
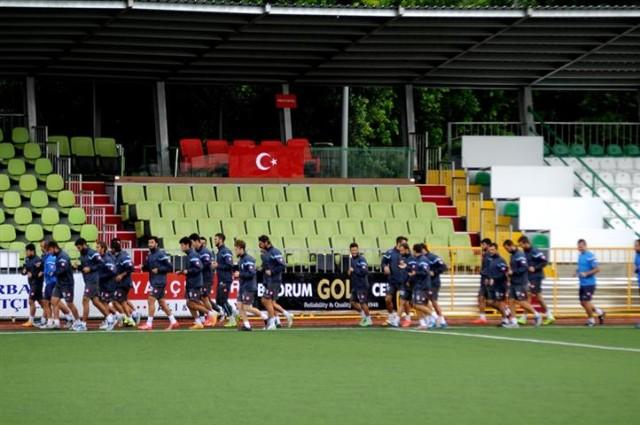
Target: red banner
{"type": "Point", "coordinates": [259, 161]}
{"type": "Point", "coordinates": [286, 101]}
{"type": "Point", "coordinates": [175, 289]}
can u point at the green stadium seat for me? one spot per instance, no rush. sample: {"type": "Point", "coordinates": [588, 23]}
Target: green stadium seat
{"type": "Point", "coordinates": [49, 218]}
{"type": "Point", "coordinates": [31, 152]}
{"type": "Point", "coordinates": [577, 150]}
{"type": "Point", "coordinates": [61, 233]}
{"type": "Point", "coordinates": [410, 194]}
{"type": "Point", "coordinates": [132, 193]}
{"type": "Point", "coordinates": [16, 168]}
{"type": "Point", "coordinates": [312, 210]}
{"type": "Point", "coordinates": [318, 245]}
{"type": "Point", "coordinates": [327, 226]}
{"type": "Point", "coordinates": [19, 247]}
{"type": "Point", "coordinates": [462, 257]}
{"type": "Point", "coordinates": [387, 193]}
{"type": "Point", "coordinates": [107, 152]}
{"type": "Point", "coordinates": [20, 136]}
{"type": "Point", "coordinates": [209, 227]}
{"type": "Point", "coordinates": [257, 226]}
{"type": "Point", "coordinates": [83, 155]}
{"type": "Point", "coordinates": [296, 251]}
{"type": "Point", "coordinates": [66, 201]}
{"type": "Point", "coordinates": [265, 210]}
{"type": "Point", "coordinates": [1, 136]}
{"type": "Point", "coordinates": [38, 201]}
{"type": "Point", "coordinates": [320, 193]}
{"type": "Point", "coordinates": [303, 227]}
{"type": "Point", "coordinates": [386, 242]}
{"type": "Point", "coordinates": [203, 193]}
{"type": "Point", "coordinates": [180, 193]}
{"type": "Point", "coordinates": [7, 152]}
{"type": "Point", "coordinates": [250, 193]}
{"type": "Point", "coordinates": [146, 210]}
{"type": "Point", "coordinates": [43, 168]}
{"type": "Point", "coordinates": [233, 227]}
{"type": "Point", "coordinates": [438, 244]}
{"type": "Point", "coordinates": [59, 144]}
{"type": "Point", "coordinates": [296, 193]}
{"type": "Point", "coordinates": [195, 209]}
{"type": "Point", "coordinates": [359, 210]}
{"type": "Point", "coordinates": [289, 210]}
{"type": "Point", "coordinates": [342, 193]}
{"type": "Point", "coordinates": [185, 226]}
{"type": "Point", "coordinates": [369, 248]}
{"type": "Point", "coordinates": [336, 210]}
{"type": "Point", "coordinates": [22, 217]}
{"type": "Point", "coordinates": [89, 232]}
{"type": "Point", "coordinates": [631, 150]}
{"type": "Point", "coordinates": [33, 233]}
{"type": "Point", "coordinates": [171, 210]}
{"type": "Point", "coordinates": [396, 227]}
{"type": "Point", "coordinates": [280, 227]}
{"type": "Point", "coordinates": [381, 210]}
{"type": "Point", "coordinates": [273, 193]}
{"type": "Point", "coordinates": [546, 151]}
{"type": "Point", "coordinates": [7, 235]}
{"type": "Point", "coordinates": [219, 210]}
{"type": "Point", "coordinates": [373, 227]}
{"type": "Point", "coordinates": [350, 226]}
{"type": "Point", "coordinates": [171, 245]}
{"type": "Point", "coordinates": [10, 201]}
{"type": "Point", "coordinates": [54, 185]}
{"type": "Point", "coordinates": [157, 192]}
{"type": "Point", "coordinates": [442, 227]}
{"type": "Point", "coordinates": [5, 184]}
{"type": "Point", "coordinates": [365, 194]}
{"type": "Point", "coordinates": [2, 217]}
{"type": "Point", "coordinates": [70, 248]}
{"type": "Point", "coordinates": [27, 185]}
{"type": "Point", "coordinates": [614, 150]}
{"type": "Point", "coordinates": [560, 149]}
{"type": "Point", "coordinates": [161, 227]}
{"type": "Point", "coordinates": [227, 193]}
{"type": "Point", "coordinates": [426, 211]}
{"type": "Point", "coordinates": [242, 209]}
{"type": "Point", "coordinates": [419, 227]}
{"type": "Point", "coordinates": [511, 209]}
{"type": "Point", "coordinates": [404, 211]}
{"type": "Point", "coordinates": [540, 241]}
{"type": "Point", "coordinates": [483, 179]}
{"type": "Point", "coordinates": [77, 218]}
{"type": "Point", "coordinates": [340, 243]}
{"type": "Point", "coordinates": [596, 150]}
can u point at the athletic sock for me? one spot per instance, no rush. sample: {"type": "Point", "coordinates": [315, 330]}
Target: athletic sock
{"type": "Point", "coordinates": [264, 315]}
{"type": "Point", "coordinates": [434, 315]}
{"type": "Point", "coordinates": [172, 319]}
{"type": "Point", "coordinates": [56, 322]}
{"type": "Point", "coordinates": [362, 314]}
{"type": "Point", "coordinates": [246, 324]}
{"type": "Point", "coordinates": [150, 321]}
{"type": "Point", "coordinates": [32, 319]}
{"type": "Point", "coordinates": [110, 318]}
{"type": "Point", "coordinates": [69, 317]}
{"type": "Point", "coordinates": [591, 320]}
{"type": "Point", "coordinates": [442, 320]}
{"type": "Point", "coordinates": [483, 316]}
{"type": "Point", "coordinates": [514, 321]}
{"type": "Point", "coordinates": [598, 311]}
{"type": "Point", "coordinates": [536, 315]}
{"type": "Point", "coordinates": [50, 321]}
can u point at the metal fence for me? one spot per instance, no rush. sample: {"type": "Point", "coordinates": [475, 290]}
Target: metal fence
{"type": "Point", "coordinates": [9, 121]}
{"type": "Point", "coordinates": [371, 162]}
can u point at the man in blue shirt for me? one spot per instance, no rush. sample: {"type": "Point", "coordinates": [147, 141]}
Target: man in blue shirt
{"type": "Point", "coordinates": [90, 262]}
{"type": "Point", "coordinates": [273, 265]}
{"type": "Point", "coordinates": [193, 287]}
{"type": "Point", "coordinates": [223, 265]}
{"type": "Point", "coordinates": [63, 289]}
{"type": "Point", "coordinates": [32, 268]}
{"type": "Point", "coordinates": [497, 272]}
{"type": "Point", "coordinates": [206, 258]}
{"type": "Point", "coordinates": [358, 273]}
{"type": "Point", "coordinates": [437, 266]}
{"type": "Point", "coordinates": [586, 272]}
{"type": "Point", "coordinates": [483, 292]}
{"type": "Point", "coordinates": [519, 280]}
{"type": "Point", "coordinates": [246, 274]}
{"type": "Point", "coordinates": [537, 261]}
{"type": "Point", "coordinates": [421, 283]}
{"type": "Point", "coordinates": [389, 265]}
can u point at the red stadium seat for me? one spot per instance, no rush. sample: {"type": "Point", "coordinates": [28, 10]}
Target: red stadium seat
{"type": "Point", "coordinates": [271, 144]}
{"type": "Point", "coordinates": [244, 143]}
{"type": "Point", "coordinates": [308, 159]}
{"type": "Point", "coordinates": [190, 149]}
{"type": "Point", "coordinates": [218, 153]}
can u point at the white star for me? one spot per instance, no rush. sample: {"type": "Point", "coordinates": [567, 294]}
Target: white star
{"type": "Point", "coordinates": [274, 161]}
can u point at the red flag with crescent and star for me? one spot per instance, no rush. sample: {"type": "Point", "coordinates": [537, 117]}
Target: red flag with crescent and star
{"type": "Point", "coordinates": [259, 161]}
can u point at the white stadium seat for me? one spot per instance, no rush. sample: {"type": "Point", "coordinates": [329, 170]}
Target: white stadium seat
{"type": "Point", "coordinates": [585, 192]}
{"type": "Point", "coordinates": [636, 179]}
{"type": "Point", "coordinates": [617, 224]}
{"type": "Point", "coordinates": [621, 209]}
{"type": "Point", "coordinates": [555, 162]}
{"type": "Point", "coordinates": [635, 224]}
{"type": "Point", "coordinates": [607, 164]}
{"type": "Point", "coordinates": [573, 162]}
{"type": "Point", "coordinates": [623, 179]}
{"type": "Point", "coordinates": [636, 164]}
{"type": "Point", "coordinates": [587, 176]}
{"type": "Point", "coordinates": [635, 194]}
{"type": "Point", "coordinates": [607, 177]}
{"type": "Point", "coordinates": [593, 163]}
{"type": "Point", "coordinates": [636, 207]}
{"type": "Point", "coordinates": [624, 193]}
{"type": "Point", "coordinates": [605, 194]}
{"type": "Point", "coordinates": [624, 163]}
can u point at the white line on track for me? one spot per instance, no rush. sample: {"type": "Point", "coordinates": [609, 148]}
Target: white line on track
{"type": "Point", "coordinates": [530, 340]}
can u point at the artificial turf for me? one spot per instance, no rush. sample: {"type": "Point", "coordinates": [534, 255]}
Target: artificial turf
{"type": "Point", "coordinates": [306, 376]}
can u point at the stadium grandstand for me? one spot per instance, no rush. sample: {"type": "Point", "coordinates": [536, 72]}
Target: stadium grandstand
{"type": "Point", "coordinates": [494, 226]}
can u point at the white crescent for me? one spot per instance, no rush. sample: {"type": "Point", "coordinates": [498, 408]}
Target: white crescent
{"type": "Point", "coordinates": [259, 161]}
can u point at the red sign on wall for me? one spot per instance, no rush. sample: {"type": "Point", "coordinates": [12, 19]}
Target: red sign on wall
{"type": "Point", "coordinates": [286, 101]}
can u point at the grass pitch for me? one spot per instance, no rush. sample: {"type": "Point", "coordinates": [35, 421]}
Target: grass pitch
{"type": "Point", "coordinates": [555, 375]}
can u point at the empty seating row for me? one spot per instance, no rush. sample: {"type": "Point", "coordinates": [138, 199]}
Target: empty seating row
{"type": "Point", "coordinates": [88, 153]}
{"type": "Point", "coordinates": [19, 136]}
{"type": "Point", "coordinates": [16, 167]}
{"type": "Point", "coordinates": [595, 150]}
{"type": "Point", "coordinates": [605, 164]}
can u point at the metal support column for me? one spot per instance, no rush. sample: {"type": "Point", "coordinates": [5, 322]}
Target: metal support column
{"type": "Point", "coordinates": [410, 123]}
{"type": "Point", "coordinates": [525, 106]}
{"type": "Point", "coordinates": [162, 129]}
{"type": "Point", "coordinates": [32, 119]}
{"type": "Point", "coordinates": [286, 117]}
{"type": "Point", "coordinates": [96, 113]}
{"type": "Point", "coordinates": [344, 170]}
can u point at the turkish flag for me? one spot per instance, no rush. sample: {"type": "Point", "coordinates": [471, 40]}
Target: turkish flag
{"type": "Point", "coordinates": [283, 161]}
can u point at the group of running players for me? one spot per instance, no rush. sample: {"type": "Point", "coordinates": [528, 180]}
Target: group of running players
{"type": "Point", "coordinates": [413, 284]}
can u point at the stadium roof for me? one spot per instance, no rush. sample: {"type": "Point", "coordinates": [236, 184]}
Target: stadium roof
{"type": "Point", "coordinates": [212, 42]}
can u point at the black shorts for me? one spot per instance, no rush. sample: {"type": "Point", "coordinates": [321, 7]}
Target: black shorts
{"type": "Point", "coordinates": [91, 290]}
{"type": "Point", "coordinates": [247, 296]}
{"type": "Point", "coordinates": [63, 291]}
{"type": "Point", "coordinates": [272, 291]}
{"type": "Point", "coordinates": [434, 292]}
{"type": "Point", "coordinates": [483, 291]}
{"type": "Point", "coordinates": [35, 292]}
{"type": "Point", "coordinates": [518, 292]}
{"type": "Point", "coordinates": [121, 295]}
{"type": "Point", "coordinates": [194, 294]}
{"type": "Point", "coordinates": [497, 293]}
{"type": "Point", "coordinates": [205, 291]}
{"type": "Point", "coordinates": [535, 286]}
{"type": "Point", "coordinates": [392, 290]}
{"type": "Point", "coordinates": [106, 296]}
{"type": "Point", "coordinates": [48, 291]}
{"type": "Point", "coordinates": [222, 293]}
{"type": "Point", "coordinates": [420, 296]}
{"type": "Point", "coordinates": [359, 296]}
{"type": "Point", "coordinates": [405, 294]}
{"type": "Point", "coordinates": [157, 292]}
{"type": "Point", "coordinates": [586, 292]}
